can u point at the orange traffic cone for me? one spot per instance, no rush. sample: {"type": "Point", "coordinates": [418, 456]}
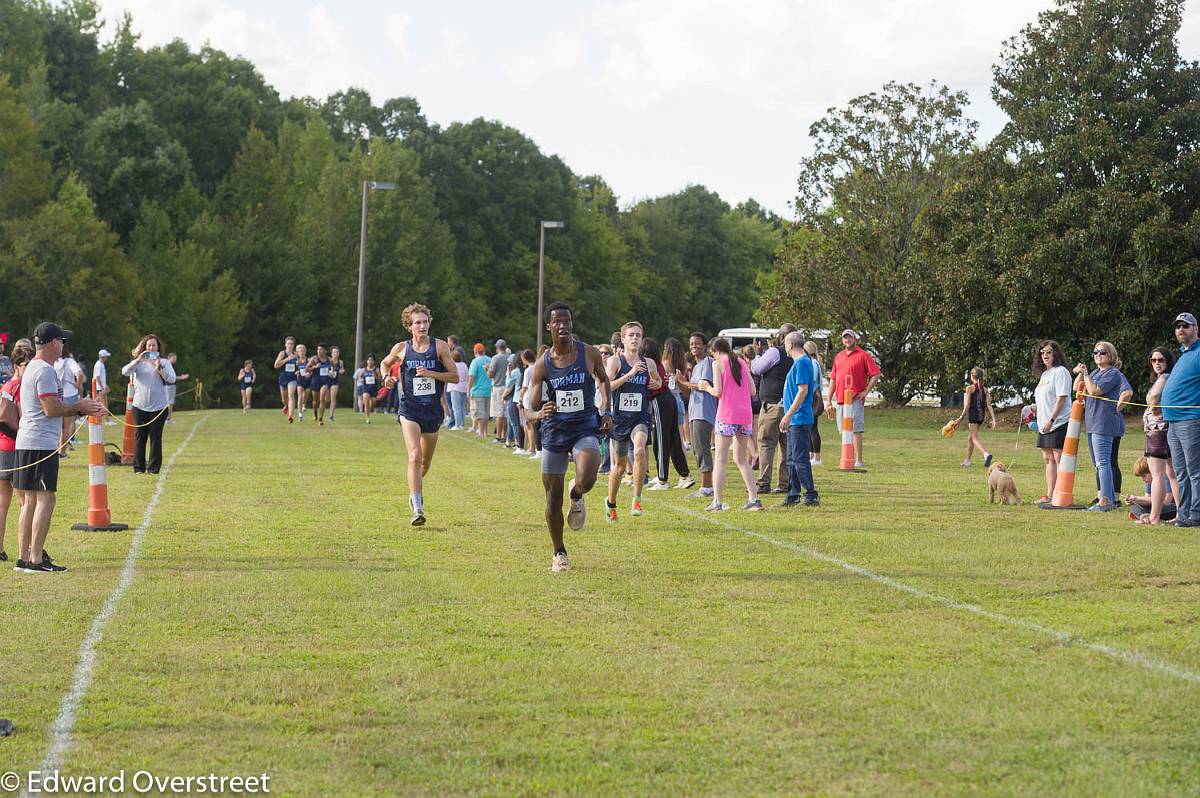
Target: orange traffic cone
{"type": "Point", "coordinates": [848, 459]}
{"type": "Point", "coordinates": [1064, 485]}
{"type": "Point", "coordinates": [99, 518]}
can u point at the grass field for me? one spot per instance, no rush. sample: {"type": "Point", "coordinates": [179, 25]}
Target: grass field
{"type": "Point", "coordinates": [284, 618]}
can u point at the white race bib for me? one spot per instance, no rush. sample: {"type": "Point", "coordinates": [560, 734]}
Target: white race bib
{"type": "Point", "coordinates": [324, 371]}
{"type": "Point", "coordinates": [630, 403]}
{"type": "Point", "coordinates": [370, 380]}
{"type": "Point", "coordinates": [423, 386]}
{"type": "Point", "coordinates": [290, 367]}
{"type": "Point", "coordinates": [569, 401]}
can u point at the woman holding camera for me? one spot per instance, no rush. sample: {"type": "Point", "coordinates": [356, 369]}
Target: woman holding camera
{"type": "Point", "coordinates": [151, 374]}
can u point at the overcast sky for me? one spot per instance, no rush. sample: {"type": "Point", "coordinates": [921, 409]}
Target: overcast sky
{"type": "Point", "coordinates": [651, 94]}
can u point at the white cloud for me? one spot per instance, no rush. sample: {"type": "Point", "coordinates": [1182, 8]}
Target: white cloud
{"type": "Point", "coordinates": [395, 30]}
{"type": "Point", "coordinates": [558, 52]}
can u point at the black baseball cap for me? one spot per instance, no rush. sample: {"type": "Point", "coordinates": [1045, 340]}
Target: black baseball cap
{"type": "Point", "coordinates": [47, 331]}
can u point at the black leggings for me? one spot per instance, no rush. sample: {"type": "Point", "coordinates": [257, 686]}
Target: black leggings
{"type": "Point", "coordinates": [149, 429]}
{"type": "Point", "coordinates": [814, 436]}
{"type": "Point", "coordinates": [668, 446]}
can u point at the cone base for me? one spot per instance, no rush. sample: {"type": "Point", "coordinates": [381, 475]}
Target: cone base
{"type": "Point", "coordinates": [1049, 506]}
{"type": "Point", "coordinates": [851, 471]}
{"type": "Point", "coordinates": [105, 528]}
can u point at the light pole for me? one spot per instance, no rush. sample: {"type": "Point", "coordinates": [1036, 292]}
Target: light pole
{"type": "Point", "coordinates": [542, 273]}
{"type": "Point", "coordinates": [362, 266]}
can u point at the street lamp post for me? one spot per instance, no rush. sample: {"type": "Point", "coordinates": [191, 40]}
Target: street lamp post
{"type": "Point", "coordinates": [542, 274]}
{"type": "Point", "coordinates": [362, 266]}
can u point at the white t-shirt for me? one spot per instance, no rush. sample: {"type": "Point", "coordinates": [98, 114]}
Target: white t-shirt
{"type": "Point", "coordinates": [1055, 382]}
{"type": "Point", "coordinates": [527, 396]}
{"type": "Point", "coordinates": [100, 375]}
{"type": "Point", "coordinates": [37, 430]}
{"type": "Point", "coordinates": [68, 372]}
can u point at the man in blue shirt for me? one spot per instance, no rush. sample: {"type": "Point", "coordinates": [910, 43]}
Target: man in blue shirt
{"type": "Point", "coordinates": [1181, 410]}
{"type": "Point", "coordinates": [798, 391]}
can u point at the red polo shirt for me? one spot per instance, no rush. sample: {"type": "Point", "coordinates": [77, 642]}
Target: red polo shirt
{"type": "Point", "coordinates": [856, 363]}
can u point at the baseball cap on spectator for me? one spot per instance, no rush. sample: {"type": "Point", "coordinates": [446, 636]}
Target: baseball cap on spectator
{"type": "Point", "coordinates": [479, 349]}
{"type": "Point", "coordinates": [1186, 318]}
{"type": "Point", "coordinates": [850, 332]}
{"type": "Point", "coordinates": [105, 353]}
{"type": "Point", "coordinates": [48, 331]}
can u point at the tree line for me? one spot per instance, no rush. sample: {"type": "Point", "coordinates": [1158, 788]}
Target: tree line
{"type": "Point", "coordinates": [1078, 222]}
{"type": "Point", "coordinates": [168, 190]}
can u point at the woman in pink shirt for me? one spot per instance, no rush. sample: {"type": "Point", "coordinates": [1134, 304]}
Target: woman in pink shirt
{"type": "Point", "coordinates": [733, 387]}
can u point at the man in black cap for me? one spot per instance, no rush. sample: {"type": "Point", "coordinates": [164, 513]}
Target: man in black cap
{"type": "Point", "coordinates": [36, 477]}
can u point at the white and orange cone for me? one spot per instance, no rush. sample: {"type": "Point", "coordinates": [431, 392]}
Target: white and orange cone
{"type": "Point", "coordinates": [99, 518]}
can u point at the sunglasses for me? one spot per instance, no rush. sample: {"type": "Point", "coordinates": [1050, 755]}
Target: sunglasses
{"type": "Point", "coordinates": [1098, 352]}
{"type": "Point", "coordinates": [1158, 360]}
{"type": "Point", "coordinates": [1181, 325]}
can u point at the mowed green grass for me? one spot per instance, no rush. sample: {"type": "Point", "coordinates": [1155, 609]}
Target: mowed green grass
{"type": "Point", "coordinates": [284, 618]}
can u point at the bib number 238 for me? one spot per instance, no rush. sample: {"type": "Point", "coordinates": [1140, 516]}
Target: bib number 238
{"type": "Point", "coordinates": [423, 386]}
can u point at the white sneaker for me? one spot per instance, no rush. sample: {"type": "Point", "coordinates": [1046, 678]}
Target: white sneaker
{"type": "Point", "coordinates": [816, 462]}
{"type": "Point", "coordinates": [687, 447]}
{"type": "Point", "coordinates": [716, 507]}
{"type": "Point", "coordinates": [700, 494]}
{"type": "Point", "coordinates": [577, 515]}
{"type": "Point", "coordinates": [860, 464]}
{"type": "Point", "coordinates": [560, 563]}
{"type": "Point", "coordinates": [537, 455]}
{"type": "Point", "coordinates": [520, 451]}
{"type": "Point", "coordinates": [685, 483]}
{"type": "Point", "coordinates": [657, 485]}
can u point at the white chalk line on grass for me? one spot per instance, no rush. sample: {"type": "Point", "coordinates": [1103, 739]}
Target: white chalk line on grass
{"type": "Point", "coordinates": [1128, 657]}
{"type": "Point", "coordinates": [64, 724]}
{"type": "Point", "coordinates": [1058, 635]}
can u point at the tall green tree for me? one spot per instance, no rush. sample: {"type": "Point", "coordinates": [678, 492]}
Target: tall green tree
{"type": "Point", "coordinates": [24, 173]}
{"type": "Point", "coordinates": [1080, 222]}
{"type": "Point", "coordinates": [129, 159]}
{"type": "Point", "coordinates": [878, 166]}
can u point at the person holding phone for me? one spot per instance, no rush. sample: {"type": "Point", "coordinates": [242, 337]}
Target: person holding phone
{"type": "Point", "coordinates": [151, 374]}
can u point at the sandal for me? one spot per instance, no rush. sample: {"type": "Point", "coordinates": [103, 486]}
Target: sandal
{"type": "Point", "coordinates": [1145, 519]}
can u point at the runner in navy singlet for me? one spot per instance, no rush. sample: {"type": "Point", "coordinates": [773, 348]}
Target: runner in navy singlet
{"type": "Point", "coordinates": [319, 368]}
{"type": "Point", "coordinates": [303, 380]}
{"type": "Point", "coordinates": [563, 386]}
{"type": "Point", "coordinates": [632, 376]}
{"type": "Point", "coordinates": [426, 367]}
{"type": "Point", "coordinates": [288, 364]}
{"type": "Point", "coordinates": [336, 367]}
{"type": "Point", "coordinates": [246, 378]}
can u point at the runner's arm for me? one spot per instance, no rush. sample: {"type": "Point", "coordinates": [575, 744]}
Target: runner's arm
{"type": "Point", "coordinates": [450, 375]}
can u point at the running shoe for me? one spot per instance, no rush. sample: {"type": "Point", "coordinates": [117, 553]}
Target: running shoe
{"type": "Point", "coordinates": [21, 567]}
{"type": "Point", "coordinates": [716, 507]}
{"type": "Point", "coordinates": [368, 419]}
{"type": "Point", "coordinates": [860, 464]}
{"type": "Point", "coordinates": [577, 515]}
{"type": "Point", "coordinates": [560, 562]}
{"type": "Point", "coordinates": [418, 513]}
{"type": "Point", "coordinates": [753, 506]}
{"type": "Point", "coordinates": [291, 420]}
{"type": "Point", "coordinates": [817, 462]}
{"type": "Point", "coordinates": [321, 421]}
{"type": "Point", "coordinates": [658, 484]}
{"type": "Point", "coordinates": [610, 513]}
{"type": "Point", "coordinates": [636, 507]}
{"type": "Point", "coordinates": [987, 461]}
{"type": "Point", "coordinates": [813, 502]}
{"type": "Point", "coordinates": [700, 494]}
{"type": "Point", "coordinates": [283, 410]}
{"type": "Point", "coordinates": [44, 567]}
{"type": "Point", "coordinates": [536, 456]}
{"type": "Point", "coordinates": [685, 483]}
{"type": "Point", "coordinates": [520, 451]}
{"type": "Point", "coordinates": [4, 556]}
{"type": "Point", "coordinates": [331, 416]}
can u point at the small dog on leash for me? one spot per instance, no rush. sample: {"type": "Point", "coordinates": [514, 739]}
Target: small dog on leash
{"type": "Point", "coordinates": [1000, 481]}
